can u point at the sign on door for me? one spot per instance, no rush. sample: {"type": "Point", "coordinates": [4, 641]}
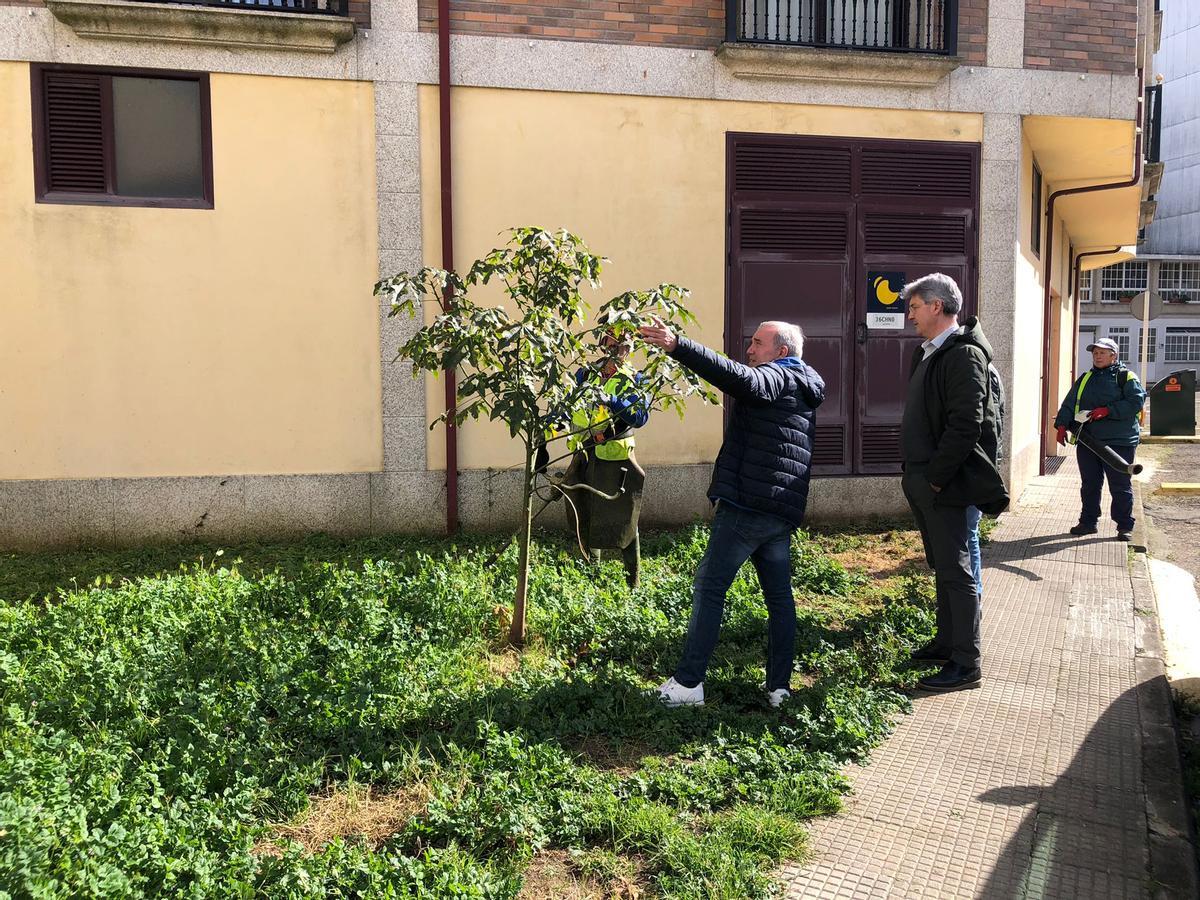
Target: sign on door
{"type": "Point", "coordinates": [884, 310]}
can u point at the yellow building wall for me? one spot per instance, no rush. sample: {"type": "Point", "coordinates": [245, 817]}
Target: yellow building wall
{"type": "Point", "coordinates": [642, 180]}
{"type": "Point", "coordinates": [1025, 391]}
{"type": "Point", "coordinates": [238, 340]}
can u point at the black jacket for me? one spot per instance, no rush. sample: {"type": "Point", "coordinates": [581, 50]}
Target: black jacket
{"type": "Point", "coordinates": [765, 459]}
{"type": "Point", "coordinates": [961, 415]}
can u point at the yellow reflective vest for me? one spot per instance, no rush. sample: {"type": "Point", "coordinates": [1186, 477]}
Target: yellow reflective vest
{"type": "Point", "coordinates": [592, 425]}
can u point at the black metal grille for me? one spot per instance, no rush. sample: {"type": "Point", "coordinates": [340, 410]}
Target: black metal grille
{"type": "Point", "coordinates": [318, 7]}
{"type": "Point", "coordinates": [1152, 129]}
{"type": "Point", "coordinates": [908, 26]}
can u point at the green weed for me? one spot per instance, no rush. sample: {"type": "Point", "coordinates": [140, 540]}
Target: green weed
{"type": "Point", "coordinates": [162, 710]}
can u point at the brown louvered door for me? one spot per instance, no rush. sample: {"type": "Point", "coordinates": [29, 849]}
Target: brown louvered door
{"type": "Point", "coordinates": [792, 233]}
{"type": "Point", "coordinates": [916, 215]}
{"type": "Point", "coordinates": [907, 207]}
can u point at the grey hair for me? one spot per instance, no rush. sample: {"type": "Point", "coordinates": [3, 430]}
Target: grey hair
{"type": "Point", "coordinates": [935, 287]}
{"type": "Point", "coordinates": [789, 334]}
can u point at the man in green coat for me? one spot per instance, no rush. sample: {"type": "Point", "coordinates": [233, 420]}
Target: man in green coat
{"type": "Point", "coordinates": [1107, 398]}
{"type": "Point", "coordinates": [948, 441]}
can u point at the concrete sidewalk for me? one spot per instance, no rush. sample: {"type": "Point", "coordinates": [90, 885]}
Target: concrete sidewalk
{"type": "Point", "coordinates": [1060, 777]}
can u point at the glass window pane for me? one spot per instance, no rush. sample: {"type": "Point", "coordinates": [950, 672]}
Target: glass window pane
{"type": "Point", "coordinates": [158, 138]}
{"type": "Point", "coordinates": [1120, 334]}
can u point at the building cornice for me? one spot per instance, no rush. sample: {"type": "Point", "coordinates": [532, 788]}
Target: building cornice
{"type": "Point", "coordinates": [830, 66]}
{"type": "Point", "coordinates": [241, 29]}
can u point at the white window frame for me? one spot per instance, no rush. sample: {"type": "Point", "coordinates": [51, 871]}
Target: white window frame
{"type": "Point", "coordinates": [1151, 345]}
{"type": "Point", "coordinates": [1182, 345]}
{"type": "Point", "coordinates": [1120, 334]}
{"type": "Point", "coordinates": [1179, 281]}
{"type": "Point", "coordinates": [1119, 283]}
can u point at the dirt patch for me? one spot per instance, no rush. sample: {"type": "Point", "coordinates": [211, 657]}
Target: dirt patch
{"type": "Point", "coordinates": [1174, 517]}
{"type": "Point", "coordinates": [555, 875]}
{"type": "Point", "coordinates": [365, 813]}
{"type": "Point", "coordinates": [620, 759]}
{"type": "Point", "coordinates": [503, 664]}
{"type": "Point", "coordinates": [889, 554]}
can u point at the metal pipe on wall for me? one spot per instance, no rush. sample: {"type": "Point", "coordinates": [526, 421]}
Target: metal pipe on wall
{"type": "Point", "coordinates": [1048, 269]}
{"type": "Point", "coordinates": [447, 215]}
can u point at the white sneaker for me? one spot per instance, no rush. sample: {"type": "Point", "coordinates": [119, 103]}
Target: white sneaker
{"type": "Point", "coordinates": [672, 693]}
{"type": "Point", "coordinates": [777, 696]}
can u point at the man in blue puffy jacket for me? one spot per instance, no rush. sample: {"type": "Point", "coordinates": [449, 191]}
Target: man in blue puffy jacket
{"type": "Point", "coordinates": [1111, 397]}
{"type": "Point", "coordinates": [760, 489]}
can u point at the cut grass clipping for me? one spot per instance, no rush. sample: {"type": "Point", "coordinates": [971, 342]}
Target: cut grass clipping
{"type": "Point", "coordinates": [340, 719]}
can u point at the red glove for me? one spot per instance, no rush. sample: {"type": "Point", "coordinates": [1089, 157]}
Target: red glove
{"type": "Point", "coordinates": [1100, 412]}
{"type": "Point", "coordinates": [1062, 434]}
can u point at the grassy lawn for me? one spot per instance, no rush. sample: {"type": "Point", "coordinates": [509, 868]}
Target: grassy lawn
{"type": "Point", "coordinates": [340, 718]}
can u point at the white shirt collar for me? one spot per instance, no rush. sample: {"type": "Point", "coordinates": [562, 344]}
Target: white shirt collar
{"type": "Point", "coordinates": [932, 345]}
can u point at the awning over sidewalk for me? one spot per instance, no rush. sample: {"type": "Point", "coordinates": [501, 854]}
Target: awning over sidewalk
{"type": "Point", "coordinates": [1075, 152]}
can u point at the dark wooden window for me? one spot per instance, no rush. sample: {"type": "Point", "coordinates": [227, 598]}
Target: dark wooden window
{"type": "Point", "coordinates": [124, 137]}
{"type": "Point", "coordinates": [1035, 213]}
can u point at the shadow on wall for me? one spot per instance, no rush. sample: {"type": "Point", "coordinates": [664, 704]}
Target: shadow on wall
{"type": "Point", "coordinates": [1087, 834]}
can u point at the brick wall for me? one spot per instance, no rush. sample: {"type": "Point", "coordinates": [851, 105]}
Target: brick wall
{"type": "Point", "coordinates": [698, 24]}
{"type": "Point", "coordinates": [972, 31]}
{"type": "Point", "coordinates": [678, 23]}
{"type": "Point", "coordinates": [360, 12]}
{"type": "Point", "coordinates": [1082, 35]}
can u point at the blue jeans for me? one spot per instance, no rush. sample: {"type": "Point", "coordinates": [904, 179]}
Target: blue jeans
{"type": "Point", "coordinates": [736, 536]}
{"type": "Point", "coordinates": [973, 517]}
{"type": "Point", "coordinates": [1092, 472]}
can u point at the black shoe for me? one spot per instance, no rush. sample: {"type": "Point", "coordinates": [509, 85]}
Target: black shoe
{"type": "Point", "coordinates": [1125, 536]}
{"type": "Point", "coordinates": [1081, 529]}
{"type": "Point", "coordinates": [930, 653]}
{"type": "Point", "coordinates": [953, 677]}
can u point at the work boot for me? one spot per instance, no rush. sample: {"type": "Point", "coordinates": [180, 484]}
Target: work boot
{"type": "Point", "coordinates": [632, 557]}
{"type": "Point", "coordinates": [1082, 529]}
{"type": "Point", "coordinates": [1125, 536]}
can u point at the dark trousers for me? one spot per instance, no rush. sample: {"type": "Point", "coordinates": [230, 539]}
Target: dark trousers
{"type": "Point", "coordinates": [1092, 472]}
{"type": "Point", "coordinates": [945, 532]}
{"type": "Point", "coordinates": [738, 535]}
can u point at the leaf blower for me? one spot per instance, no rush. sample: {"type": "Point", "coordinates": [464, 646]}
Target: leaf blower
{"type": "Point", "coordinates": [1107, 454]}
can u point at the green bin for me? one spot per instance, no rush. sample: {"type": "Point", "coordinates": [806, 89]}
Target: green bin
{"type": "Point", "coordinates": [1173, 404]}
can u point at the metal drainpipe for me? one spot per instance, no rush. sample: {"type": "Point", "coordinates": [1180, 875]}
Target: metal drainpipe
{"type": "Point", "coordinates": [1079, 259]}
{"type": "Point", "coordinates": [447, 213]}
{"type": "Point", "coordinates": [1049, 267]}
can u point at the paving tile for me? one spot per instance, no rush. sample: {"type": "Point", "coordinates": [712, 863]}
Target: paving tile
{"type": "Point", "coordinates": [1030, 786]}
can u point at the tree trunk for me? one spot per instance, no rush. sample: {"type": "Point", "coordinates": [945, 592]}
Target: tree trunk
{"type": "Point", "coordinates": [516, 633]}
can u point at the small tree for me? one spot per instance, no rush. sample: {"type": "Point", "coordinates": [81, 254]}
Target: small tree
{"type": "Point", "coordinates": [521, 368]}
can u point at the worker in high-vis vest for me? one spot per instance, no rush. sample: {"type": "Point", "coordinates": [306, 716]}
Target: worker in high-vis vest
{"type": "Point", "coordinates": [602, 443]}
{"type": "Point", "coordinates": [1106, 400]}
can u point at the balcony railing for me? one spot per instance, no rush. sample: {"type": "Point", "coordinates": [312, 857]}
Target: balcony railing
{"type": "Point", "coordinates": [318, 7]}
{"type": "Point", "coordinates": [1152, 127]}
{"type": "Point", "coordinates": [904, 26]}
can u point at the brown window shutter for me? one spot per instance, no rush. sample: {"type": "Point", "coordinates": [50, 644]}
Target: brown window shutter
{"type": "Point", "coordinates": [792, 231]}
{"type": "Point", "coordinates": [829, 445]}
{"type": "Point", "coordinates": [74, 121]}
{"type": "Point", "coordinates": [931, 173]}
{"type": "Point", "coordinates": [929, 234]}
{"type": "Point", "coordinates": [780, 168]}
